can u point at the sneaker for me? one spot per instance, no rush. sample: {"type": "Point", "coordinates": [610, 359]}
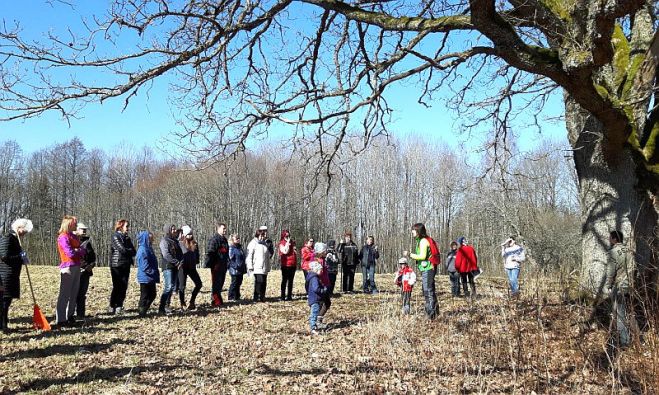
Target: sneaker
{"type": "Point", "coordinates": [111, 310]}
{"type": "Point", "coordinates": [321, 326]}
{"type": "Point", "coordinates": [192, 306]}
{"type": "Point", "coordinates": [119, 311]}
{"type": "Point", "coordinates": [375, 292]}
{"type": "Point", "coordinates": [314, 332]}
{"type": "Point", "coordinates": [165, 311]}
{"type": "Point", "coordinates": [71, 320]}
{"type": "Point", "coordinates": [289, 298]}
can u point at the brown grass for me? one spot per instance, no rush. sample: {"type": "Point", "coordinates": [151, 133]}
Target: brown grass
{"type": "Point", "coordinates": [488, 345]}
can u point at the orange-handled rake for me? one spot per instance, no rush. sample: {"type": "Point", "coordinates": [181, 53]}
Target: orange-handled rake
{"type": "Point", "coordinates": [38, 318]}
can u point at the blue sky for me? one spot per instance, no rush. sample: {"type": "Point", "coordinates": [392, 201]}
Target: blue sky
{"type": "Point", "coordinates": [148, 118]}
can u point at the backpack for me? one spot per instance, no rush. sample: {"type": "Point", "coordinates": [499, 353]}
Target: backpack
{"type": "Point", "coordinates": [435, 257]}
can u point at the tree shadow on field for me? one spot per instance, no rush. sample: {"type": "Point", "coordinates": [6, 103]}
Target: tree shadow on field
{"type": "Point", "coordinates": [97, 374]}
{"type": "Point", "coordinates": [67, 331]}
{"type": "Point", "coordinates": [63, 349]}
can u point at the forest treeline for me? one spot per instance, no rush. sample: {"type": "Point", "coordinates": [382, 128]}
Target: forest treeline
{"type": "Point", "coordinates": [379, 192]}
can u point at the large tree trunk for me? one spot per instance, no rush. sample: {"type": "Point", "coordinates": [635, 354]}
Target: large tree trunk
{"type": "Point", "coordinates": [611, 199]}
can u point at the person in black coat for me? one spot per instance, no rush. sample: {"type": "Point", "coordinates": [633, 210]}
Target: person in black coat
{"type": "Point", "coordinates": [348, 256]}
{"type": "Point", "coordinates": [122, 252]}
{"type": "Point", "coordinates": [190, 250]}
{"type": "Point", "coordinates": [86, 269]}
{"type": "Point", "coordinates": [368, 257]}
{"type": "Point", "coordinates": [12, 259]}
{"type": "Point", "coordinates": [217, 259]}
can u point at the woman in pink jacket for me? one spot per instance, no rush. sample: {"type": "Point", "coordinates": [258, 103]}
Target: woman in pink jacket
{"type": "Point", "coordinates": [70, 252]}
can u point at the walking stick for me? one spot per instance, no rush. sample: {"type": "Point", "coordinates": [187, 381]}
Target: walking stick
{"type": "Point", "coordinates": [38, 318]}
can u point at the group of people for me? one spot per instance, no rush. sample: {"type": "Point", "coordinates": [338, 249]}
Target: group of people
{"type": "Point", "coordinates": [320, 262]}
{"type": "Point", "coordinates": [461, 264]}
{"type": "Point", "coordinates": [179, 260]}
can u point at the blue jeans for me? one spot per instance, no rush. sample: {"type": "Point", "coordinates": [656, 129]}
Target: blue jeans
{"type": "Point", "coordinates": [455, 283]}
{"type": "Point", "coordinates": [313, 316]}
{"type": "Point", "coordinates": [368, 278]}
{"type": "Point", "coordinates": [171, 283]}
{"type": "Point", "coordinates": [429, 295]}
{"type": "Point", "coordinates": [624, 317]}
{"type": "Point", "coordinates": [513, 275]}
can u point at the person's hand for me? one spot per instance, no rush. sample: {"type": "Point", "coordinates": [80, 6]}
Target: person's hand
{"type": "Point", "coordinates": [24, 257]}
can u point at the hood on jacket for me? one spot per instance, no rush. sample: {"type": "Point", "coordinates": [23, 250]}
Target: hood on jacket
{"type": "Point", "coordinates": [143, 239]}
{"type": "Point", "coordinates": [166, 229]}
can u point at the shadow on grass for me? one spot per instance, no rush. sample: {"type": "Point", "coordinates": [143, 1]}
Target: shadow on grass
{"type": "Point", "coordinates": [66, 331]}
{"type": "Point", "coordinates": [97, 374]}
{"type": "Point", "coordinates": [63, 349]}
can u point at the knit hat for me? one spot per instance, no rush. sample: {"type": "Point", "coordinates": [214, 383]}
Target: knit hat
{"type": "Point", "coordinates": [265, 228]}
{"type": "Point", "coordinates": [82, 228]}
{"type": "Point", "coordinates": [186, 230]}
{"type": "Point", "coordinates": [331, 244]}
{"type": "Point", "coordinates": [402, 261]}
{"type": "Point", "coordinates": [462, 240]}
{"type": "Point", "coordinates": [315, 266]}
{"type": "Point", "coordinates": [22, 223]}
{"type": "Point", "coordinates": [319, 248]}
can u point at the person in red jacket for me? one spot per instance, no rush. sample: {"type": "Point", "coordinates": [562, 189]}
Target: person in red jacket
{"type": "Point", "coordinates": [307, 257]}
{"type": "Point", "coordinates": [405, 279]}
{"type": "Point", "coordinates": [466, 263]}
{"type": "Point", "coordinates": [288, 259]}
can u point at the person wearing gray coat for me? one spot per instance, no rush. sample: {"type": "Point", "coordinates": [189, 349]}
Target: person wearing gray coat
{"type": "Point", "coordinates": [172, 259]}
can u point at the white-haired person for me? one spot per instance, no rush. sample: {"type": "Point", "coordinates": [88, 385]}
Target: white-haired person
{"type": "Point", "coordinates": [12, 259]}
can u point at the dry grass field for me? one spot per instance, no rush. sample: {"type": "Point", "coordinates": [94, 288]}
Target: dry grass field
{"type": "Point", "coordinates": [486, 345]}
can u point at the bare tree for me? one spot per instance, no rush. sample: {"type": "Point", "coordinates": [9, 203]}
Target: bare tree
{"type": "Point", "coordinates": [241, 66]}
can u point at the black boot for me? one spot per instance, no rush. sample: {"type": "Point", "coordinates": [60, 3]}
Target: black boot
{"type": "Point", "coordinates": [4, 314]}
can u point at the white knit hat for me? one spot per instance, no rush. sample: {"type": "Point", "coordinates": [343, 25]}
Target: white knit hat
{"type": "Point", "coordinates": [22, 223]}
{"type": "Point", "coordinates": [319, 248]}
{"type": "Point", "coordinates": [186, 230]}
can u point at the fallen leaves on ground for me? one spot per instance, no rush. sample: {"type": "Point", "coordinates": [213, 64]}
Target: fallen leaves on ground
{"type": "Point", "coordinates": [487, 345]}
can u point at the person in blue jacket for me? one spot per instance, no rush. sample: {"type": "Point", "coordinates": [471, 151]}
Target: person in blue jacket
{"type": "Point", "coordinates": [237, 266]}
{"type": "Point", "coordinates": [148, 274]}
{"type": "Point", "coordinates": [316, 295]}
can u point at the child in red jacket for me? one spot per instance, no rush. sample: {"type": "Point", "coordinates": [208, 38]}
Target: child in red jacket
{"type": "Point", "coordinates": [405, 279]}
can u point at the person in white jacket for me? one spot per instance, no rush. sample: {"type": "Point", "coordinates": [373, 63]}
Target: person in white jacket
{"type": "Point", "coordinates": [513, 255]}
{"type": "Point", "coordinates": [258, 263]}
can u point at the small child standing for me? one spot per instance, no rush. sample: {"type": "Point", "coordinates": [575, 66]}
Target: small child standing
{"type": "Point", "coordinates": [316, 294]}
{"type": "Point", "coordinates": [405, 279]}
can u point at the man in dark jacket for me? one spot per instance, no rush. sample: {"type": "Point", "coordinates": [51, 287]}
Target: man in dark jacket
{"type": "Point", "coordinates": [88, 264]}
{"type": "Point", "coordinates": [217, 259]}
{"type": "Point", "coordinates": [368, 256]}
{"type": "Point", "coordinates": [349, 256]}
{"type": "Point", "coordinates": [332, 262]}
{"type": "Point", "coordinates": [172, 259]}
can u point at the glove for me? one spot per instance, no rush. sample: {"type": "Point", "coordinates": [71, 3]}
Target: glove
{"type": "Point", "coordinates": [250, 272]}
{"type": "Point", "coordinates": [24, 257]}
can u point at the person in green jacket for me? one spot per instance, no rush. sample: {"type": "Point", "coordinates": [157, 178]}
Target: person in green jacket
{"type": "Point", "coordinates": [422, 257]}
